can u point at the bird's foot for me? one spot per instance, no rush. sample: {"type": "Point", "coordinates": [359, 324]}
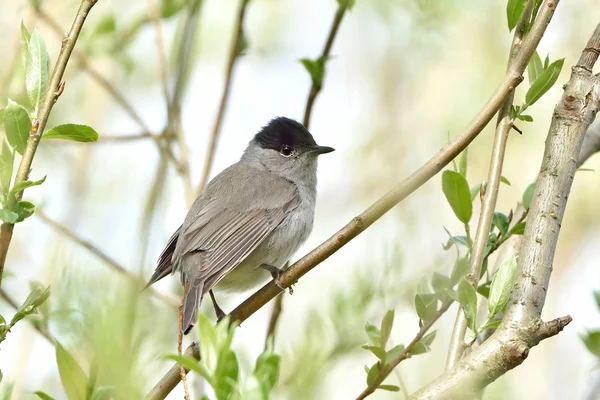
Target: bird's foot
{"type": "Point", "coordinates": [218, 311]}
{"type": "Point", "coordinates": [276, 273]}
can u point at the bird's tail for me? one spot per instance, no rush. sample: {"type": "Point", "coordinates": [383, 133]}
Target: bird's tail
{"type": "Point", "coordinates": [190, 306]}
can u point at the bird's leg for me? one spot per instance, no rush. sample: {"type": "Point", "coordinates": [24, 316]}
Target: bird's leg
{"type": "Point", "coordinates": [275, 273]}
{"type": "Point", "coordinates": [218, 312]}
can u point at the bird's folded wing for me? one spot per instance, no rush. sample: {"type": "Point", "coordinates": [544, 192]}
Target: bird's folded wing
{"type": "Point", "coordinates": [224, 238]}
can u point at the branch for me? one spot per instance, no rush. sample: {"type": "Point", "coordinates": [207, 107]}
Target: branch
{"type": "Point", "coordinates": [316, 88]}
{"type": "Point", "coordinates": [83, 61]}
{"type": "Point", "coordinates": [275, 314]}
{"type": "Point", "coordinates": [387, 369]}
{"type": "Point", "coordinates": [503, 128]}
{"type": "Point", "coordinates": [66, 232]}
{"type": "Point", "coordinates": [358, 224]}
{"type": "Point", "coordinates": [39, 123]}
{"type": "Point", "coordinates": [591, 143]}
{"type": "Point", "coordinates": [521, 328]}
{"type": "Point", "coordinates": [234, 53]}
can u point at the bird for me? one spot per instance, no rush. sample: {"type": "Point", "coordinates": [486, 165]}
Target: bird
{"type": "Point", "coordinates": [248, 221]}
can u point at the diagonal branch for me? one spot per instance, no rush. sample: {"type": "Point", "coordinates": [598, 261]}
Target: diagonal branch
{"type": "Point", "coordinates": [522, 327]}
{"type": "Point", "coordinates": [358, 224]}
{"type": "Point", "coordinates": [72, 236]}
{"type": "Point", "coordinates": [37, 127]}
{"type": "Point", "coordinates": [234, 52]}
{"type": "Point", "coordinates": [503, 128]}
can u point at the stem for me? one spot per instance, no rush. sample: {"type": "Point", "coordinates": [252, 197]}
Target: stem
{"type": "Point", "coordinates": [503, 128]}
{"type": "Point", "coordinates": [39, 123]}
{"type": "Point", "coordinates": [234, 53]}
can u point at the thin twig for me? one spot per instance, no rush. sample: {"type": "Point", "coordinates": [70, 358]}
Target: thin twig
{"type": "Point", "coordinates": [503, 127]}
{"type": "Point", "coordinates": [154, 14]}
{"type": "Point", "coordinates": [385, 370]}
{"type": "Point", "coordinates": [124, 138]}
{"type": "Point", "coordinates": [234, 53]}
{"type": "Point", "coordinates": [84, 63]}
{"type": "Point", "coordinates": [358, 224]}
{"type": "Point", "coordinates": [182, 372]}
{"type": "Point", "coordinates": [39, 123]}
{"type": "Point", "coordinates": [86, 244]}
{"type": "Point", "coordinates": [275, 314]}
{"type": "Point", "coordinates": [316, 88]}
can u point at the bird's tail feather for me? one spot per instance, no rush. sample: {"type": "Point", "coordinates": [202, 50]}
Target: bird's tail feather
{"type": "Point", "coordinates": [190, 307]}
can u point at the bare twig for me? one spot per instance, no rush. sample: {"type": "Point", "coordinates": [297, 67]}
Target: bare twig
{"type": "Point", "coordinates": [275, 314]}
{"type": "Point", "coordinates": [124, 138]}
{"type": "Point", "coordinates": [66, 232]}
{"type": "Point", "coordinates": [154, 14]}
{"type": "Point", "coordinates": [316, 86]}
{"type": "Point", "coordinates": [234, 53]}
{"type": "Point", "coordinates": [358, 224]}
{"type": "Point", "coordinates": [503, 127]}
{"type": "Point", "coordinates": [522, 327]}
{"type": "Point", "coordinates": [385, 370]}
{"type": "Point", "coordinates": [39, 123]}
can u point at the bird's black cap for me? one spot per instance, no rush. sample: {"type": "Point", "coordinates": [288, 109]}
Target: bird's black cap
{"type": "Point", "coordinates": [282, 131]}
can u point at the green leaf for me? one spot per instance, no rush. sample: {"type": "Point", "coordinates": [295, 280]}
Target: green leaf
{"type": "Point", "coordinates": [419, 348]}
{"type": "Point", "coordinates": [395, 352]}
{"type": "Point", "coordinates": [7, 160]}
{"type": "Point", "coordinates": [592, 342]}
{"type": "Point", "coordinates": [189, 363]}
{"type": "Point", "coordinates": [452, 294]}
{"type": "Point", "coordinates": [440, 283]}
{"type": "Point", "coordinates": [500, 221]}
{"type": "Point", "coordinates": [169, 8]}
{"type": "Point", "coordinates": [535, 67]}
{"type": "Point", "coordinates": [504, 180]}
{"type": "Point", "coordinates": [460, 269]}
{"type": "Point", "coordinates": [316, 69]}
{"type": "Point", "coordinates": [501, 286]}
{"type": "Point", "coordinates": [490, 325]}
{"type": "Point", "coordinates": [377, 351]}
{"type": "Point", "coordinates": [71, 375]}
{"type": "Point", "coordinates": [389, 388]}
{"type": "Point", "coordinates": [8, 216]}
{"type": "Point", "coordinates": [464, 160]}
{"type": "Point", "coordinates": [597, 298]}
{"type": "Point", "coordinates": [106, 25]}
{"type": "Point", "coordinates": [25, 37]}
{"type": "Point", "coordinates": [386, 327]}
{"type": "Point", "coordinates": [456, 240]}
{"type": "Point", "coordinates": [428, 339]}
{"type": "Point", "coordinates": [528, 196]}
{"type": "Point", "coordinates": [76, 133]}
{"type": "Point", "coordinates": [374, 334]}
{"type": "Point", "coordinates": [526, 118]}
{"type": "Point", "coordinates": [24, 210]}
{"type": "Point", "coordinates": [20, 186]}
{"type": "Point", "coordinates": [518, 229]}
{"type": "Point", "coordinates": [267, 369]}
{"type": "Point", "coordinates": [348, 4]}
{"type": "Point", "coordinates": [226, 375]}
{"type": "Point", "coordinates": [36, 298]}
{"type": "Point", "coordinates": [456, 190]}
{"type": "Point", "coordinates": [484, 289]}
{"type": "Point", "coordinates": [468, 298]}
{"type": "Point", "coordinates": [514, 9]}
{"type": "Point", "coordinates": [544, 82]}
{"type": "Point", "coordinates": [372, 374]}
{"type": "Point", "coordinates": [547, 61]}
{"type": "Point", "coordinates": [36, 71]}
{"type": "Point", "coordinates": [43, 395]}
{"type": "Point", "coordinates": [208, 345]}
{"type": "Point", "coordinates": [421, 307]}
{"type": "Point", "coordinates": [17, 125]}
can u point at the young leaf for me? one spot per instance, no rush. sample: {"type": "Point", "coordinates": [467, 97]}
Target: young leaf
{"type": "Point", "coordinates": [500, 221]}
{"type": "Point", "coordinates": [490, 325]}
{"type": "Point", "coordinates": [25, 184]}
{"type": "Point", "coordinates": [76, 133]}
{"type": "Point", "coordinates": [468, 298]}
{"type": "Point", "coordinates": [71, 375]}
{"type": "Point", "coordinates": [386, 327]}
{"type": "Point", "coordinates": [25, 37]}
{"type": "Point", "coordinates": [16, 125]}
{"type": "Point", "coordinates": [106, 25]}
{"type": "Point", "coordinates": [592, 342]}
{"type": "Point", "coordinates": [456, 240]}
{"type": "Point", "coordinates": [8, 216]}
{"type": "Point", "coordinates": [36, 71]}
{"type": "Point", "coordinates": [461, 266]}
{"type": "Point", "coordinates": [266, 370]}
{"type": "Point", "coordinates": [395, 352]}
{"type": "Point", "coordinates": [373, 371]}
{"type": "Point", "coordinates": [484, 289]}
{"type": "Point", "coordinates": [189, 363]}
{"type": "Point", "coordinates": [24, 210]}
{"type": "Point", "coordinates": [43, 395]}
{"type": "Point", "coordinates": [374, 334]}
{"type": "Point", "coordinates": [504, 180]}
{"type": "Point", "coordinates": [377, 351]}
{"type": "Point", "coordinates": [518, 229]}
{"type": "Point", "coordinates": [316, 69]}
{"type": "Point", "coordinates": [389, 388]}
{"type": "Point", "coordinates": [597, 298]}
{"type": "Point", "coordinates": [456, 190]}
{"type": "Point", "coordinates": [36, 298]}
{"type": "Point", "coordinates": [528, 196]}
{"type": "Point", "coordinates": [501, 286]}
{"type": "Point", "coordinates": [475, 191]}
{"type": "Point", "coordinates": [428, 339]}
{"type": "Point", "coordinates": [524, 117]}
{"type": "Point", "coordinates": [209, 344]}
{"type": "Point", "coordinates": [421, 307]}
{"type": "Point", "coordinates": [440, 283]}
{"type": "Point", "coordinates": [7, 159]}
{"type": "Point", "coordinates": [534, 68]}
{"type": "Point", "coordinates": [514, 9]}
{"type": "Point", "coordinates": [544, 82]}
{"type": "Point", "coordinates": [418, 348]}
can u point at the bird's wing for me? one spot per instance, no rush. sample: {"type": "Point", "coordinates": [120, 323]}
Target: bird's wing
{"type": "Point", "coordinates": [225, 239]}
{"type": "Point", "coordinates": [164, 266]}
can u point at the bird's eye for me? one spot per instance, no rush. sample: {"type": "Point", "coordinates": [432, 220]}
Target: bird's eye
{"type": "Point", "coordinates": [286, 150]}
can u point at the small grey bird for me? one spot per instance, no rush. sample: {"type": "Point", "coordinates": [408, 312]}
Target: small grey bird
{"type": "Point", "coordinates": [250, 219]}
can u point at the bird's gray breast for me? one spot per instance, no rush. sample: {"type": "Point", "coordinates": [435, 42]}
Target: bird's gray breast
{"type": "Point", "coordinates": [276, 249]}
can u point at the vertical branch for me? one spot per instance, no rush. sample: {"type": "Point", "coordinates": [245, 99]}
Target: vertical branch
{"type": "Point", "coordinates": [503, 128]}
{"type": "Point", "coordinates": [316, 86]}
{"type": "Point", "coordinates": [234, 53]}
{"type": "Point", "coordinates": [37, 127]}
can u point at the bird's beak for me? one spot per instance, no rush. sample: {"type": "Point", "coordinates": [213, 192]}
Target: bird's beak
{"type": "Point", "coordinates": [318, 150]}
